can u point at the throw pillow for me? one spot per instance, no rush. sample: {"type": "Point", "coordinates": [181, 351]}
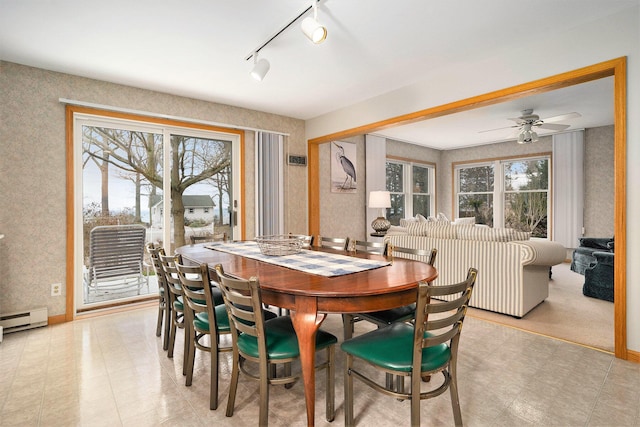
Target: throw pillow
{"type": "Point", "coordinates": [404, 222]}
{"type": "Point", "coordinates": [520, 235]}
{"type": "Point", "coordinates": [438, 218]}
{"type": "Point", "coordinates": [394, 229]}
{"type": "Point", "coordinates": [420, 218]}
{"type": "Point", "coordinates": [460, 229]}
{"type": "Point", "coordinates": [442, 230]}
{"type": "Point", "coordinates": [468, 220]}
{"type": "Point", "coordinates": [442, 217]}
{"type": "Point", "coordinates": [419, 228]}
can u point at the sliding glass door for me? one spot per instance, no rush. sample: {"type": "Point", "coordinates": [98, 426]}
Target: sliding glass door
{"type": "Point", "coordinates": [171, 182]}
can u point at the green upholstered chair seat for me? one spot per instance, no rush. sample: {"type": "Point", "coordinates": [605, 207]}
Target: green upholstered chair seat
{"type": "Point", "coordinates": [281, 339]}
{"type": "Point", "coordinates": [178, 304]}
{"type": "Point", "coordinates": [391, 347]}
{"type": "Point", "coordinates": [217, 296]}
{"type": "Point", "coordinates": [267, 316]}
{"type": "Point", "coordinates": [201, 320]}
{"type": "Point", "coordinates": [400, 314]}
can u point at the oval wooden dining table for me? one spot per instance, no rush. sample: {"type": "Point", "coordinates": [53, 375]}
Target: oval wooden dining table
{"type": "Point", "coordinates": [310, 297]}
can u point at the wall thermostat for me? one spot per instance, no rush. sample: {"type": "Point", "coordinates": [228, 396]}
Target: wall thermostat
{"type": "Point", "coordinates": [298, 160]}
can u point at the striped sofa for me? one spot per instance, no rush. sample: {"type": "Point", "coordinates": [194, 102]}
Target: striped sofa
{"type": "Point", "coordinates": [513, 276]}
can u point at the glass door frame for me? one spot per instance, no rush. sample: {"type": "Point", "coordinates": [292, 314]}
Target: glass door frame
{"type": "Point", "coordinates": [80, 116]}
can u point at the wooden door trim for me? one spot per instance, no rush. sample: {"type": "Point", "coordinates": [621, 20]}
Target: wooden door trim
{"type": "Point", "coordinates": [616, 68]}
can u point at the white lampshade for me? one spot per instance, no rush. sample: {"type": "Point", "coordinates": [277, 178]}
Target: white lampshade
{"type": "Point", "coordinates": [379, 199]}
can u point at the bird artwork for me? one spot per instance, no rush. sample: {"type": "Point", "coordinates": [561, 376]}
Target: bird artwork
{"type": "Point", "coordinates": [347, 167]}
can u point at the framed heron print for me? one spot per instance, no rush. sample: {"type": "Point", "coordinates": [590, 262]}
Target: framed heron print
{"type": "Point", "coordinates": [343, 167]}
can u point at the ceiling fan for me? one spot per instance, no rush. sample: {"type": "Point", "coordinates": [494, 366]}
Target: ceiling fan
{"type": "Point", "coordinates": [527, 121]}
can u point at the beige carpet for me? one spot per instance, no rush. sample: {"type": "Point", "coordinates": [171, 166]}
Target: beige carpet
{"type": "Point", "coordinates": [566, 314]}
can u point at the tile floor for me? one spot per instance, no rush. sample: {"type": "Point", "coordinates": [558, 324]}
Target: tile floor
{"type": "Point", "coordinates": [111, 371]}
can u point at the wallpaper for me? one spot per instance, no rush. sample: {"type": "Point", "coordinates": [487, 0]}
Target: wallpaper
{"type": "Point", "coordinates": [343, 214]}
{"type": "Point", "coordinates": [598, 182]}
{"type": "Point", "coordinates": [32, 161]}
{"type": "Point", "coordinates": [33, 188]}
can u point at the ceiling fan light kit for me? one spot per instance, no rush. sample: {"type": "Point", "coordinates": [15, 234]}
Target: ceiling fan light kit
{"type": "Point", "coordinates": [527, 136]}
{"type": "Point", "coordinates": [528, 120]}
{"type": "Point", "coordinates": [311, 28]}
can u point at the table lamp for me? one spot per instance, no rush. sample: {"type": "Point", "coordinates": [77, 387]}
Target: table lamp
{"type": "Point", "coordinates": [380, 200]}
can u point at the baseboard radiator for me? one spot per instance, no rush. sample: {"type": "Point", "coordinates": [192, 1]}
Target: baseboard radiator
{"type": "Point", "coordinates": [21, 320]}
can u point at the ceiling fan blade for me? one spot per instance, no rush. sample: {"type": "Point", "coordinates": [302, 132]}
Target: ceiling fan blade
{"type": "Point", "coordinates": [514, 134]}
{"type": "Point", "coordinates": [552, 126]}
{"type": "Point", "coordinates": [491, 130]}
{"type": "Point", "coordinates": [562, 117]}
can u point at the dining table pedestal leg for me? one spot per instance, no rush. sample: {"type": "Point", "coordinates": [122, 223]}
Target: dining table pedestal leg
{"type": "Point", "coordinates": [306, 321]}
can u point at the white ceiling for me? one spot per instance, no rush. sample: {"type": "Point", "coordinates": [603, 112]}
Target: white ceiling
{"type": "Point", "coordinates": [197, 48]}
{"type": "Point", "coordinates": [593, 101]}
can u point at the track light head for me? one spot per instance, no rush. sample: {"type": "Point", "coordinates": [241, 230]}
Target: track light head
{"type": "Point", "coordinates": [260, 68]}
{"type": "Point", "coordinates": [313, 30]}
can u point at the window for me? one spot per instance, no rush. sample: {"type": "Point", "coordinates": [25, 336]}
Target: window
{"type": "Point", "coordinates": [517, 196]}
{"type": "Point", "coordinates": [475, 193]}
{"type": "Point", "coordinates": [131, 171]}
{"type": "Point", "coordinates": [526, 195]}
{"type": "Point", "coordinates": [411, 187]}
{"type": "Point", "coordinates": [206, 210]}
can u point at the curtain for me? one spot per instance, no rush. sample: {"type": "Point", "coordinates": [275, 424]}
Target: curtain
{"type": "Point", "coordinates": [376, 175]}
{"type": "Point", "coordinates": [269, 184]}
{"type": "Point", "coordinates": [568, 187]}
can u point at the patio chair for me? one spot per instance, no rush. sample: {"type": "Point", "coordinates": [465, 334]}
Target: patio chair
{"type": "Point", "coordinates": [116, 258]}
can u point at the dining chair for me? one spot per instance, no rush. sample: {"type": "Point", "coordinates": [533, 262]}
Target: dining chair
{"type": "Point", "coordinates": [208, 321]}
{"type": "Point", "coordinates": [387, 317]}
{"type": "Point", "coordinates": [426, 347]}
{"type": "Point", "coordinates": [267, 343]}
{"type": "Point", "coordinates": [399, 314]}
{"type": "Point", "coordinates": [164, 308]}
{"type": "Point", "coordinates": [307, 240]}
{"type": "Point", "coordinates": [219, 237]}
{"type": "Point", "coordinates": [376, 248]}
{"type": "Point", "coordinates": [175, 300]}
{"type": "Point", "coordinates": [307, 243]}
{"type": "Point", "coordinates": [331, 242]}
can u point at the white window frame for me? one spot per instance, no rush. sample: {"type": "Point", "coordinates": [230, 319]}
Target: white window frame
{"type": "Point", "coordinates": [499, 192]}
{"type": "Point", "coordinates": [407, 181]}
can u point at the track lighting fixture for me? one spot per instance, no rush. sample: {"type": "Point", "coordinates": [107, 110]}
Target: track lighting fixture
{"type": "Point", "coordinates": [260, 67]}
{"type": "Point", "coordinates": [312, 28]}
